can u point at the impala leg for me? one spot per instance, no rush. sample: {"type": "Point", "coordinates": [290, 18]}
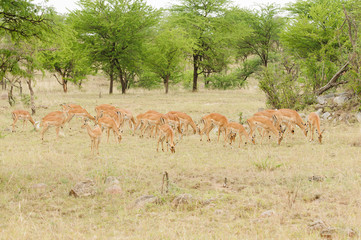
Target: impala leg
{"type": "Point", "coordinates": [45, 128]}
{"type": "Point", "coordinates": [108, 132]}
{"type": "Point", "coordinates": [24, 123]}
{"type": "Point", "coordinates": [208, 131]}
{"type": "Point", "coordinates": [57, 132]}
{"type": "Point", "coordinates": [15, 120]}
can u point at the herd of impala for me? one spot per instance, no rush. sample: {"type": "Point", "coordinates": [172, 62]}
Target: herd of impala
{"type": "Point", "coordinates": [166, 126]}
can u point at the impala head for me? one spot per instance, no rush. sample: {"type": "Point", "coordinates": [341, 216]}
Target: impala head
{"type": "Point", "coordinates": [305, 129]}
{"type": "Point", "coordinates": [276, 123]}
{"type": "Point", "coordinates": [85, 123]}
{"type": "Point", "coordinates": [171, 147]}
{"type": "Point", "coordinates": [320, 135]}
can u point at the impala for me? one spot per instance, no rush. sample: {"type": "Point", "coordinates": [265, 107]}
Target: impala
{"type": "Point", "coordinates": [104, 107]}
{"type": "Point", "coordinates": [94, 134]}
{"type": "Point", "coordinates": [127, 115]}
{"type": "Point", "coordinates": [174, 121]}
{"type": "Point", "coordinates": [259, 121]}
{"type": "Point", "coordinates": [211, 120]}
{"type": "Point", "coordinates": [291, 116]}
{"type": "Point", "coordinates": [56, 119]}
{"type": "Point", "coordinates": [79, 112]}
{"type": "Point", "coordinates": [274, 116]}
{"type": "Point", "coordinates": [233, 129]}
{"type": "Point", "coordinates": [167, 134]}
{"type": "Point", "coordinates": [313, 123]}
{"type": "Point", "coordinates": [23, 115]}
{"type": "Point", "coordinates": [110, 124]}
{"type": "Point", "coordinates": [152, 121]}
{"type": "Point", "coordinates": [185, 121]}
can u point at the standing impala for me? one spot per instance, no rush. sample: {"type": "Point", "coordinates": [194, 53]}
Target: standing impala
{"type": "Point", "coordinates": [56, 119]}
{"type": "Point", "coordinates": [23, 115]}
{"type": "Point", "coordinates": [313, 123]}
{"type": "Point", "coordinates": [127, 115]}
{"type": "Point", "coordinates": [185, 120]}
{"type": "Point", "coordinates": [262, 122]}
{"type": "Point", "coordinates": [167, 134]}
{"type": "Point", "coordinates": [211, 120]}
{"type": "Point", "coordinates": [94, 134]}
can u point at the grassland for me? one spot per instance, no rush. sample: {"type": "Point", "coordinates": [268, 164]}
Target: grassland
{"type": "Point", "coordinates": [260, 177]}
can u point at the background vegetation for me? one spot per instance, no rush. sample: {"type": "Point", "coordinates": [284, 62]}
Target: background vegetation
{"type": "Point", "coordinates": [297, 53]}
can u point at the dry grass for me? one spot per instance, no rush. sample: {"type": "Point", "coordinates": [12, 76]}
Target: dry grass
{"type": "Point", "coordinates": [260, 177]}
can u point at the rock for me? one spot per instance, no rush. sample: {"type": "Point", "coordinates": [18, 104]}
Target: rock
{"type": "Point", "coordinates": [83, 189]}
{"type": "Point", "coordinates": [114, 190]}
{"type": "Point", "coordinates": [317, 225]}
{"type": "Point", "coordinates": [316, 178]}
{"type": "Point", "coordinates": [319, 112]}
{"type": "Point", "coordinates": [325, 115]}
{"type": "Point", "coordinates": [330, 95]}
{"type": "Point", "coordinates": [111, 180]}
{"type": "Point", "coordinates": [358, 117]}
{"type": "Point", "coordinates": [321, 100]}
{"type": "Point", "coordinates": [143, 200]}
{"type": "Point", "coordinates": [182, 199]}
{"type": "Point", "coordinates": [268, 213]}
{"type": "Point", "coordinates": [339, 100]}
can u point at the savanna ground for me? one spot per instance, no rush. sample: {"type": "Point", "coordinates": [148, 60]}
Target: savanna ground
{"type": "Point", "coordinates": [260, 177]}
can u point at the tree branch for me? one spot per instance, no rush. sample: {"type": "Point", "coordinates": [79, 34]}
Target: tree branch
{"type": "Point", "coordinates": [332, 83]}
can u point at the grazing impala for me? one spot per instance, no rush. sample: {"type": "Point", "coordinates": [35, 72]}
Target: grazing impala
{"type": "Point", "coordinates": [174, 121]}
{"type": "Point", "coordinates": [23, 115]}
{"type": "Point", "coordinates": [211, 120]}
{"type": "Point", "coordinates": [94, 134]}
{"type": "Point", "coordinates": [313, 123]}
{"type": "Point", "coordinates": [167, 134]}
{"type": "Point", "coordinates": [152, 121]}
{"type": "Point", "coordinates": [259, 121]}
{"type": "Point", "coordinates": [110, 124]}
{"type": "Point", "coordinates": [291, 116]}
{"type": "Point", "coordinates": [67, 106]}
{"type": "Point", "coordinates": [185, 120]}
{"type": "Point", "coordinates": [127, 115]}
{"type": "Point", "coordinates": [104, 107]}
{"type": "Point", "coordinates": [79, 112]}
{"type": "Point", "coordinates": [114, 114]}
{"type": "Point", "coordinates": [274, 116]}
{"type": "Point", "coordinates": [56, 119]}
{"type": "Point", "coordinates": [233, 129]}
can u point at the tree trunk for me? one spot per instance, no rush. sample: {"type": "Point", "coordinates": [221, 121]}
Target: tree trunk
{"type": "Point", "coordinates": [11, 99]}
{"type": "Point", "coordinates": [32, 101]}
{"type": "Point", "coordinates": [166, 84]}
{"type": "Point", "coordinates": [65, 86]}
{"type": "Point", "coordinates": [20, 88]}
{"type": "Point", "coordinates": [111, 75]}
{"type": "Point", "coordinates": [122, 81]}
{"type": "Point", "coordinates": [195, 72]}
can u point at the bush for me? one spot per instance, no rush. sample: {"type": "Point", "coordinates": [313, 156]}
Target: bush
{"type": "Point", "coordinates": [149, 80]}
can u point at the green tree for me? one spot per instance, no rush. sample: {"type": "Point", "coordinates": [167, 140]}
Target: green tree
{"type": "Point", "coordinates": [317, 39]}
{"type": "Point", "coordinates": [63, 55]}
{"type": "Point", "coordinates": [114, 31]}
{"type": "Point", "coordinates": [165, 52]}
{"type": "Point", "coordinates": [203, 19]}
{"type": "Point", "coordinates": [258, 32]}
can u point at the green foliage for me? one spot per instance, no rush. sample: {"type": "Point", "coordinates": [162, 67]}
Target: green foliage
{"type": "Point", "coordinates": [266, 164]}
{"type": "Point", "coordinates": [222, 81]}
{"type": "Point", "coordinates": [25, 99]}
{"type": "Point", "coordinates": [149, 80]}
{"type": "Point", "coordinates": [282, 88]}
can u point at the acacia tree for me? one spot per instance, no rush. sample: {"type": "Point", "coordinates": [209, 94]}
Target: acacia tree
{"type": "Point", "coordinates": [165, 52]}
{"type": "Point", "coordinates": [62, 55]}
{"type": "Point", "coordinates": [258, 31]}
{"type": "Point", "coordinates": [318, 41]}
{"type": "Point", "coordinates": [114, 32]}
{"type": "Point", "coordinates": [201, 19]}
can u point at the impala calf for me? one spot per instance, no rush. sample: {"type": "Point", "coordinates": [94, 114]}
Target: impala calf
{"type": "Point", "coordinates": [313, 123]}
{"type": "Point", "coordinates": [94, 134]}
{"type": "Point", "coordinates": [23, 115]}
